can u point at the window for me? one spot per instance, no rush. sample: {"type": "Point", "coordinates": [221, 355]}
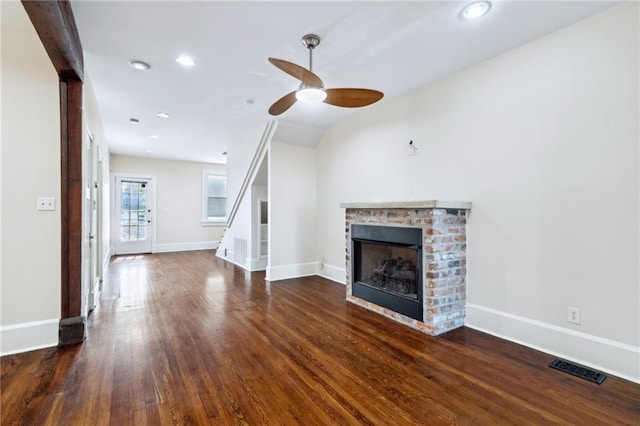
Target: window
{"type": "Point", "coordinates": [214, 200]}
{"type": "Point", "coordinates": [133, 211]}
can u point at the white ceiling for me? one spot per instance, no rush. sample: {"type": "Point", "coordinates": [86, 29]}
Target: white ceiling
{"type": "Point", "coordinates": [389, 46]}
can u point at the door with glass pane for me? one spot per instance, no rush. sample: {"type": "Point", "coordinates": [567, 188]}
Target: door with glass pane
{"type": "Point", "coordinates": [133, 215]}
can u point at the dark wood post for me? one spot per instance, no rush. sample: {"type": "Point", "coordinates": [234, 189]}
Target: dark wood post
{"type": "Point", "coordinates": [72, 323]}
{"type": "Point", "coordinates": [56, 27]}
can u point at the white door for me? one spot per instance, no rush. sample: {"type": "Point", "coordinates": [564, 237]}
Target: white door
{"type": "Point", "coordinates": [133, 215]}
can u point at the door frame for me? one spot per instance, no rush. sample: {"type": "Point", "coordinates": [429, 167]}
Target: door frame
{"type": "Point", "coordinates": [94, 213]}
{"type": "Point", "coordinates": [115, 225]}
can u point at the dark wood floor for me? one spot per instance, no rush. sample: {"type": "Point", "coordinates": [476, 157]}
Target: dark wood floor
{"type": "Point", "coordinates": [185, 338]}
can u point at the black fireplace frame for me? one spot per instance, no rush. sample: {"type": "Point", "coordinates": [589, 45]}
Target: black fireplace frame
{"type": "Point", "coordinates": [397, 236]}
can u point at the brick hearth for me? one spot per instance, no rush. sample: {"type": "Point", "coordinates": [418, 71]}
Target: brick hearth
{"type": "Point", "coordinates": [444, 260]}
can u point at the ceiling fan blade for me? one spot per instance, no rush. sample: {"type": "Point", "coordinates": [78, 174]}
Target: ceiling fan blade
{"type": "Point", "coordinates": [352, 98]}
{"type": "Point", "coordinates": [302, 74]}
{"type": "Point", "coordinates": [283, 104]}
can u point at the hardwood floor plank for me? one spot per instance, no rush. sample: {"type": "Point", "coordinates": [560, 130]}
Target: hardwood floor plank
{"type": "Point", "coordinates": [186, 338]}
{"type": "Point", "coordinates": [395, 385]}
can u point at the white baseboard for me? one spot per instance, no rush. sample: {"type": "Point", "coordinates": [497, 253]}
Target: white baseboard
{"type": "Point", "coordinates": [251, 265]}
{"type": "Point", "coordinates": [259, 264]}
{"type": "Point", "coordinates": [296, 270]}
{"type": "Point", "coordinates": [94, 293]}
{"type": "Point", "coordinates": [28, 336]}
{"type": "Point", "coordinates": [197, 245]}
{"type": "Point", "coordinates": [105, 263]}
{"type": "Point", "coordinates": [602, 354]}
{"type": "Point", "coordinates": [333, 273]}
{"type": "Point", "coordinates": [220, 254]}
{"type": "Point", "coordinates": [228, 257]}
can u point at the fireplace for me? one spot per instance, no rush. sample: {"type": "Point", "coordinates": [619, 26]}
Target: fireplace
{"type": "Point", "coordinates": [387, 267]}
{"type": "Point", "coordinates": [407, 261]}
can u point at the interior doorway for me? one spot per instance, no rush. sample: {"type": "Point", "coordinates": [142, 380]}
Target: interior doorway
{"type": "Point", "coordinates": [263, 228]}
{"type": "Point", "coordinates": [95, 237]}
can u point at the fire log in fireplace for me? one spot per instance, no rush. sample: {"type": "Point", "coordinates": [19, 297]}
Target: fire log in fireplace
{"type": "Point", "coordinates": [387, 267]}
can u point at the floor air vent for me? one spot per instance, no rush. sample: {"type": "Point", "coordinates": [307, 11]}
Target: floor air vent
{"type": "Point", "coordinates": [578, 370]}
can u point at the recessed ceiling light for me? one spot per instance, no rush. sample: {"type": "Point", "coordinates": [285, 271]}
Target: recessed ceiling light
{"type": "Point", "coordinates": [149, 151]}
{"type": "Point", "coordinates": [162, 115]}
{"type": "Point", "coordinates": [154, 136]}
{"type": "Point", "coordinates": [185, 60]}
{"type": "Point", "coordinates": [476, 10]}
{"type": "Point", "coordinates": [249, 101]}
{"type": "Point", "coordinates": [134, 121]}
{"type": "Point", "coordinates": [139, 65]}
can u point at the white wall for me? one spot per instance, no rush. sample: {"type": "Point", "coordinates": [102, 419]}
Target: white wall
{"type": "Point", "coordinates": [30, 280]}
{"type": "Point", "coordinates": [292, 211]}
{"type": "Point", "coordinates": [178, 201]}
{"type": "Point", "coordinates": [99, 156]}
{"type": "Point", "coordinates": [544, 141]}
{"type": "Point", "coordinates": [242, 229]}
{"type": "Point", "coordinates": [239, 155]}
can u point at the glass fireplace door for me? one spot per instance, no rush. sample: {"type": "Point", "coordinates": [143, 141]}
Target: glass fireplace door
{"type": "Point", "coordinates": [390, 268]}
{"type": "Point", "coordinates": [386, 267]}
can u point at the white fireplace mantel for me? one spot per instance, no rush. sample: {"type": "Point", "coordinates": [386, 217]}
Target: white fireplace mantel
{"type": "Point", "coordinates": [427, 204]}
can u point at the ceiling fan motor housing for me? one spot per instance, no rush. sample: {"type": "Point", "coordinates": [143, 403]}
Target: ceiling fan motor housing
{"type": "Point", "coordinates": [310, 41]}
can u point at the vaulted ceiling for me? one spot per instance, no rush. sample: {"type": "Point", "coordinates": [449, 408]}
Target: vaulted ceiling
{"type": "Point", "coordinates": [390, 46]}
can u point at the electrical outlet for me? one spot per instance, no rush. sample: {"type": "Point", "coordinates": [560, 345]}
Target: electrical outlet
{"type": "Point", "coordinates": [573, 315]}
{"type": "Point", "coordinates": [46, 203]}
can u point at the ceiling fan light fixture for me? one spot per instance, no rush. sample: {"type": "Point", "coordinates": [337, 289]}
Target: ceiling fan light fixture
{"type": "Point", "coordinates": [476, 10]}
{"type": "Point", "coordinates": [311, 94]}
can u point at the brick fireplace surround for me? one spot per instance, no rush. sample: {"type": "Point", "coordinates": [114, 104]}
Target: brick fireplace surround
{"type": "Point", "coordinates": [444, 244]}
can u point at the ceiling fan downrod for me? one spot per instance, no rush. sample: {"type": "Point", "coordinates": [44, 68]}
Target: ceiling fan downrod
{"type": "Point", "coordinates": [310, 41]}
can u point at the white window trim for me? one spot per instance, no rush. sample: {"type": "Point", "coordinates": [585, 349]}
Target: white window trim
{"type": "Point", "coordinates": [205, 221]}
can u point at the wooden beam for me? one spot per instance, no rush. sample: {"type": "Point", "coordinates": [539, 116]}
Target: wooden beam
{"type": "Point", "coordinates": [56, 27]}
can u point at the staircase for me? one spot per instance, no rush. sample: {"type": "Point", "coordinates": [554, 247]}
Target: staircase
{"type": "Point", "coordinates": [227, 248]}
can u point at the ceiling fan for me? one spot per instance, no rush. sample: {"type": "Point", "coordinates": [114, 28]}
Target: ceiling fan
{"type": "Point", "coordinates": [312, 89]}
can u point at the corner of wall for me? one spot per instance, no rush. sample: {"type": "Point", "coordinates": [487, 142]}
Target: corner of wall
{"type": "Point", "coordinates": [332, 273]}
